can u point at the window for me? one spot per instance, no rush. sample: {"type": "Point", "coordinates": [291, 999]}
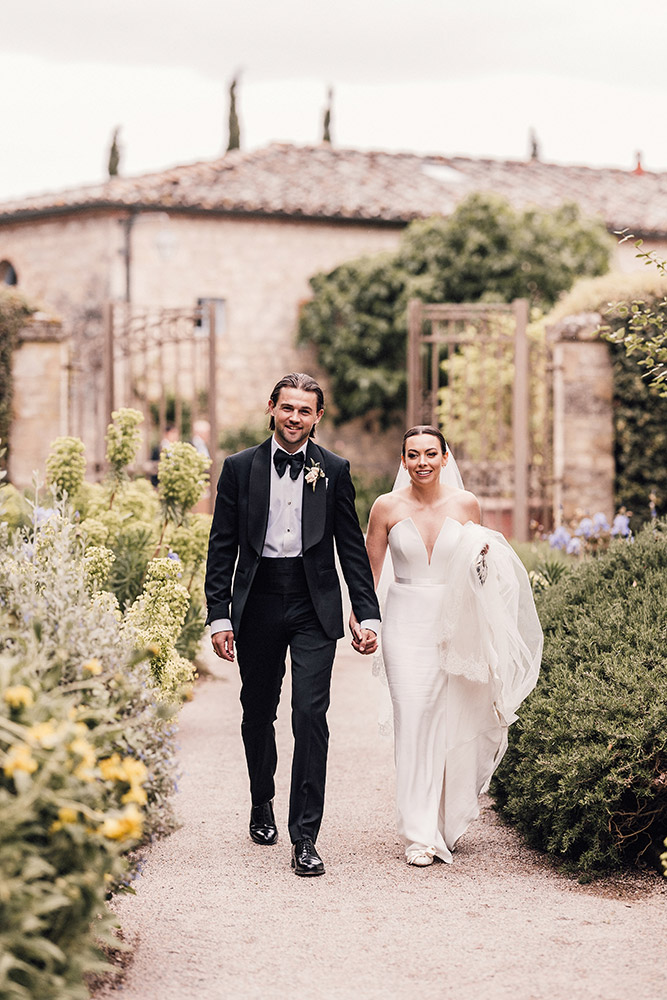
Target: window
{"type": "Point", "coordinates": [202, 320]}
{"type": "Point", "coordinates": [7, 274]}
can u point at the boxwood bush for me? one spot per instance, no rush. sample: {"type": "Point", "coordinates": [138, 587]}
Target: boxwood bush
{"type": "Point", "coordinates": [585, 775]}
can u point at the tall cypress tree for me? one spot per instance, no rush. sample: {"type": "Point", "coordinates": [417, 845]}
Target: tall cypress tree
{"type": "Point", "coordinates": [114, 154]}
{"type": "Point", "coordinates": [326, 131]}
{"type": "Point", "coordinates": [234, 128]}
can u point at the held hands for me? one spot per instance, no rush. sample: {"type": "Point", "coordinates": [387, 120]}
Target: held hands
{"type": "Point", "coordinates": [364, 640]}
{"type": "Point", "coordinates": [223, 645]}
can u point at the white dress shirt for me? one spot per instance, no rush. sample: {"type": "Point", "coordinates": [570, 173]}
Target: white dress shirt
{"type": "Point", "coordinates": [283, 531]}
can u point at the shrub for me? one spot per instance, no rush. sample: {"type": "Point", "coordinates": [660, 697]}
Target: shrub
{"type": "Point", "coordinates": [86, 755]}
{"type": "Point", "coordinates": [585, 775]}
{"type": "Point", "coordinates": [86, 730]}
{"type": "Point", "coordinates": [66, 466]}
{"type": "Point", "coordinates": [138, 524]}
{"type": "Point", "coordinates": [63, 832]}
{"type": "Point", "coordinates": [123, 438]}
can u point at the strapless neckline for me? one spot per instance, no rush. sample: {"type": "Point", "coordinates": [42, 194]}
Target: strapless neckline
{"type": "Point", "coordinates": [429, 557]}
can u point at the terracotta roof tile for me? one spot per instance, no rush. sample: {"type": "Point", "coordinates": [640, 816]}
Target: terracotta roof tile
{"type": "Point", "coordinates": [327, 183]}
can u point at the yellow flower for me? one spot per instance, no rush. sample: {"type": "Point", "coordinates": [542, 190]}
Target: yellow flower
{"type": "Point", "coordinates": [111, 768]}
{"type": "Point", "coordinates": [135, 794]}
{"type": "Point", "coordinates": [135, 770]}
{"type": "Point", "coordinates": [66, 815]}
{"type": "Point", "coordinates": [19, 758]}
{"type": "Point", "coordinates": [44, 733]}
{"type": "Point", "coordinates": [127, 826]}
{"type": "Point", "coordinates": [83, 749]}
{"type": "Point", "coordinates": [19, 696]}
{"type": "Point", "coordinates": [94, 667]}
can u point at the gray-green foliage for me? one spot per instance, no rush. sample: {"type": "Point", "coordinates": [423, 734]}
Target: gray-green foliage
{"type": "Point", "coordinates": [585, 775]}
{"type": "Point", "coordinates": [485, 250]}
{"type": "Point", "coordinates": [77, 710]}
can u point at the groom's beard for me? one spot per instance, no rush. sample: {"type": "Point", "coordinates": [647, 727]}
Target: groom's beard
{"type": "Point", "coordinates": [295, 441]}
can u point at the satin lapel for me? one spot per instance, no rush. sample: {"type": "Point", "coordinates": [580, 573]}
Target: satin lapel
{"type": "Point", "coordinates": [314, 510]}
{"type": "Point", "coordinates": [258, 501]}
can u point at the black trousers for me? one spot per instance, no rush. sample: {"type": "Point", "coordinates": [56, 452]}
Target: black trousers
{"type": "Point", "coordinates": [279, 615]}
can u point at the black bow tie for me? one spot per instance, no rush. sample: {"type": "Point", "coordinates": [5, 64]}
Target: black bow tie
{"type": "Point", "coordinates": [281, 460]}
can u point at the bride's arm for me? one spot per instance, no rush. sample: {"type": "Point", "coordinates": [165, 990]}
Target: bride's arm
{"type": "Point", "coordinates": [376, 537]}
{"type": "Point", "coordinates": [376, 546]}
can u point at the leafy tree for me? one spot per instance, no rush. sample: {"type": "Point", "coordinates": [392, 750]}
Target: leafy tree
{"type": "Point", "coordinates": [234, 127]}
{"type": "Point", "coordinates": [644, 332]}
{"type": "Point", "coordinates": [357, 318]}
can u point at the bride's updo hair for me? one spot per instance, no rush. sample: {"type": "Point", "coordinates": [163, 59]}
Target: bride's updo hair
{"type": "Point", "coordinates": [424, 429]}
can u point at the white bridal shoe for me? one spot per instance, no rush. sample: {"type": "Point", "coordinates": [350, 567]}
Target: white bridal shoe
{"type": "Point", "coordinates": [419, 858]}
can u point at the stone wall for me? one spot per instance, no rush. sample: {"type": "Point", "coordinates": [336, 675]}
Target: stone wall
{"type": "Point", "coordinates": [259, 267]}
{"type": "Point", "coordinates": [40, 375]}
{"type": "Point", "coordinates": [583, 420]}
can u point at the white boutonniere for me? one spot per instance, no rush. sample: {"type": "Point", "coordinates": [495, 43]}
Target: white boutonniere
{"type": "Point", "coordinates": [313, 474]}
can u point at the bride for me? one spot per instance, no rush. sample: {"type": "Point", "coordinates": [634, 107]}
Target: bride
{"type": "Point", "coordinates": [461, 644]}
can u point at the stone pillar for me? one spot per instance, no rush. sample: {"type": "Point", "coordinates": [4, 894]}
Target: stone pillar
{"type": "Point", "coordinates": [40, 372]}
{"type": "Point", "coordinates": [583, 419]}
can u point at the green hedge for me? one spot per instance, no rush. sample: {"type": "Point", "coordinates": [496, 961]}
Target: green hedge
{"type": "Point", "coordinates": [585, 775]}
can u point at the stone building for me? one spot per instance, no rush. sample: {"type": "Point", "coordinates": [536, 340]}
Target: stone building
{"type": "Point", "coordinates": [246, 232]}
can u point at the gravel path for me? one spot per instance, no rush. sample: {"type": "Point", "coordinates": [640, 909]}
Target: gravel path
{"type": "Point", "coordinates": [216, 916]}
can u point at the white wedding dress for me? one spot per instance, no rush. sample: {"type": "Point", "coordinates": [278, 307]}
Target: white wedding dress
{"type": "Point", "coordinates": [461, 645]}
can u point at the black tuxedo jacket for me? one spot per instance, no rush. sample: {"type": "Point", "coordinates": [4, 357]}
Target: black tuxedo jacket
{"type": "Point", "coordinates": [327, 514]}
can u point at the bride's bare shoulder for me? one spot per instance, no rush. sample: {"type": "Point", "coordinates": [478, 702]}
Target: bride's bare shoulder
{"type": "Point", "coordinates": [385, 506]}
{"type": "Point", "coordinates": [384, 502]}
{"type": "Point", "coordinates": [466, 506]}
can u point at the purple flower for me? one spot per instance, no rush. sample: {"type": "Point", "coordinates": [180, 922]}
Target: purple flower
{"type": "Point", "coordinates": [600, 522]}
{"type": "Point", "coordinates": [585, 527]}
{"type": "Point", "coordinates": [42, 514]}
{"type": "Point", "coordinates": [621, 525]}
{"type": "Point", "coordinates": [573, 547]}
{"type": "Point", "coordinates": [559, 538]}
{"type": "Point", "coordinates": [174, 555]}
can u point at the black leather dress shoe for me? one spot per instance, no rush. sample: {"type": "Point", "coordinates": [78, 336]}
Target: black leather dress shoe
{"type": "Point", "coordinates": [305, 859]}
{"type": "Point", "coordinates": [263, 828]}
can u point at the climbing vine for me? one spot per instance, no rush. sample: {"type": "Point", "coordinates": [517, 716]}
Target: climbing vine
{"type": "Point", "coordinates": [14, 310]}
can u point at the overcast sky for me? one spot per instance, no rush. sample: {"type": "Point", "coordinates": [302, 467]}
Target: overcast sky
{"type": "Point", "coordinates": [439, 76]}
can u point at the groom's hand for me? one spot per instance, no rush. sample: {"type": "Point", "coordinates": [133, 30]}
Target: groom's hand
{"type": "Point", "coordinates": [223, 644]}
{"type": "Point", "coordinates": [364, 640]}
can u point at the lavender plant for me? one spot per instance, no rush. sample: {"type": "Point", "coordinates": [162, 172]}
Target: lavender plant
{"type": "Point", "coordinates": [591, 535]}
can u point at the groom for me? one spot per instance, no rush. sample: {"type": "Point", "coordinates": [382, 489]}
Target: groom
{"type": "Point", "coordinates": [279, 508]}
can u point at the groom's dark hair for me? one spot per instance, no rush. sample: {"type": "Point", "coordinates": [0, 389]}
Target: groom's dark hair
{"type": "Point", "coordinates": [424, 429]}
{"type": "Point", "coordinates": [297, 380]}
